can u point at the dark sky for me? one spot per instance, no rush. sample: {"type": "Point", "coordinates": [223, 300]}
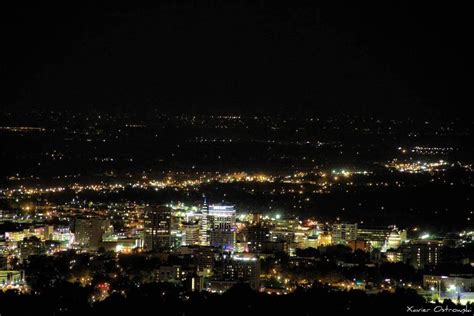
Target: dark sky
{"type": "Point", "coordinates": [234, 56]}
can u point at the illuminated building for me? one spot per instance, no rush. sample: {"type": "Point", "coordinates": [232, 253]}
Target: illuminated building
{"type": "Point", "coordinates": [286, 224]}
{"type": "Point", "coordinates": [221, 216]}
{"type": "Point", "coordinates": [16, 236]}
{"type": "Point", "coordinates": [223, 239]}
{"type": "Point", "coordinates": [128, 244]}
{"type": "Point", "coordinates": [122, 245]}
{"type": "Point", "coordinates": [177, 237]}
{"type": "Point", "coordinates": [255, 236]}
{"type": "Point", "coordinates": [342, 233]}
{"type": "Point", "coordinates": [11, 279]}
{"type": "Point", "coordinates": [222, 227]}
{"type": "Point", "coordinates": [286, 230]}
{"type": "Point", "coordinates": [190, 233]}
{"type": "Point", "coordinates": [203, 216]}
{"type": "Point", "coordinates": [30, 247]}
{"type": "Point", "coordinates": [458, 282]}
{"type": "Point", "coordinates": [42, 233]}
{"type": "Point", "coordinates": [421, 253]}
{"type": "Point", "coordinates": [396, 238]}
{"type": "Point", "coordinates": [376, 237]}
{"type": "Point", "coordinates": [48, 231]}
{"type": "Point", "coordinates": [279, 235]}
{"type": "Point", "coordinates": [157, 228]}
{"type": "Point", "coordinates": [382, 238]}
{"type": "Point", "coordinates": [308, 242]}
{"type": "Point", "coordinates": [324, 239]}
{"type": "Point", "coordinates": [64, 236]}
{"type": "Point", "coordinates": [242, 268]}
{"type": "Point", "coordinates": [393, 256]}
{"type": "Point", "coordinates": [194, 283]}
{"type": "Point", "coordinates": [88, 232]}
{"type": "Point", "coordinates": [358, 244]}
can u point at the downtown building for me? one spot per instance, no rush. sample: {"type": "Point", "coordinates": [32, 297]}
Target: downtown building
{"type": "Point", "coordinates": [342, 233]}
{"type": "Point", "coordinates": [222, 230]}
{"type": "Point", "coordinates": [191, 234]}
{"type": "Point", "coordinates": [216, 226]}
{"type": "Point", "coordinates": [157, 228]}
{"type": "Point", "coordinates": [240, 268]}
{"type": "Point", "coordinates": [421, 253]}
{"type": "Point", "coordinates": [89, 232]}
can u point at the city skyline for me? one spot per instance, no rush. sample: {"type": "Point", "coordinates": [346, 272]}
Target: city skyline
{"type": "Point", "coordinates": [236, 157]}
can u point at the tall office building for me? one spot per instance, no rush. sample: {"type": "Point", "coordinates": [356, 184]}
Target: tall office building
{"type": "Point", "coordinates": [223, 239]}
{"type": "Point", "coordinates": [216, 225]}
{"type": "Point", "coordinates": [157, 225]}
{"type": "Point", "coordinates": [203, 259]}
{"type": "Point", "coordinates": [221, 216]}
{"type": "Point", "coordinates": [88, 232]}
{"type": "Point", "coordinates": [256, 237]}
{"type": "Point", "coordinates": [190, 233]}
{"type": "Point", "coordinates": [221, 221]}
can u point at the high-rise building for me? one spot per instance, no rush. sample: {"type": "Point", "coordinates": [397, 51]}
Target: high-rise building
{"type": "Point", "coordinates": [203, 258]}
{"type": "Point", "coordinates": [221, 221]}
{"type": "Point", "coordinates": [157, 228]}
{"type": "Point", "coordinates": [285, 229]}
{"type": "Point", "coordinates": [221, 216]}
{"type": "Point", "coordinates": [223, 239]}
{"type": "Point", "coordinates": [242, 268]}
{"type": "Point", "coordinates": [190, 233]}
{"type": "Point", "coordinates": [343, 233]}
{"type": "Point", "coordinates": [203, 217]}
{"type": "Point", "coordinates": [88, 232]}
{"type": "Point", "coordinates": [256, 236]}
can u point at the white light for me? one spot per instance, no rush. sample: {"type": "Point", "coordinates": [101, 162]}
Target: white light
{"type": "Point", "coordinates": [425, 236]}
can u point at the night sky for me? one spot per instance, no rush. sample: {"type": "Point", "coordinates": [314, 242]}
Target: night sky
{"type": "Point", "coordinates": [238, 56]}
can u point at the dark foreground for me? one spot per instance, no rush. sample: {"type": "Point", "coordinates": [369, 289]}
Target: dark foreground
{"type": "Point", "coordinates": [163, 299]}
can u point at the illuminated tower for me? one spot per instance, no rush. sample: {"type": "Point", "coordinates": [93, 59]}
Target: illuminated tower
{"type": "Point", "coordinates": [204, 226]}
